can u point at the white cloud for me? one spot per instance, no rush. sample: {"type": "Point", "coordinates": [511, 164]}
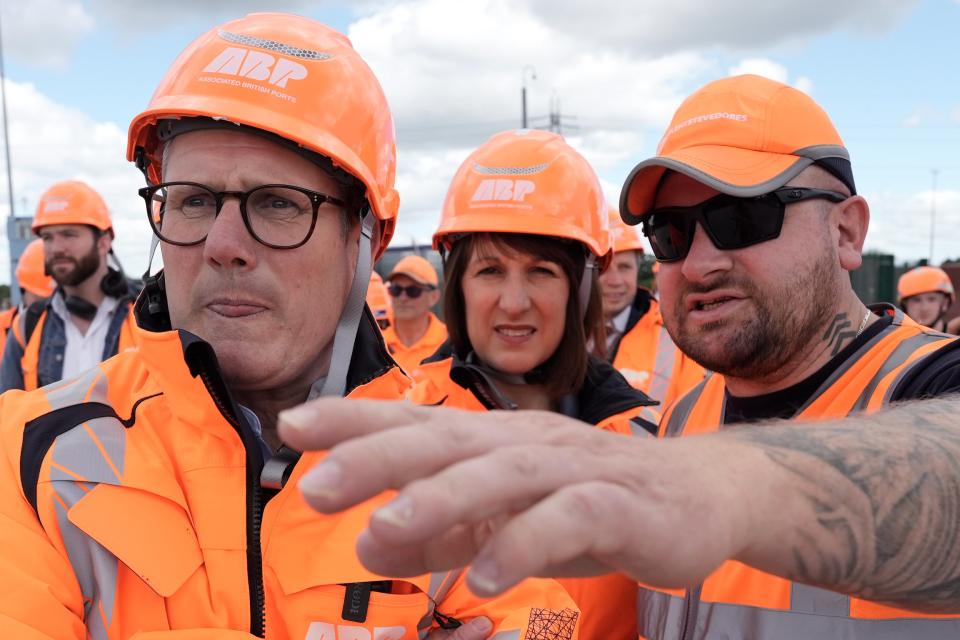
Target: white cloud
{"type": "Point", "coordinates": [50, 142]}
{"type": "Point", "coordinates": [773, 70]}
{"type": "Point", "coordinates": [130, 15]}
{"type": "Point", "coordinates": [453, 72]}
{"type": "Point", "coordinates": [650, 26]}
{"type": "Point", "coordinates": [900, 224]}
{"type": "Point", "coordinates": [44, 33]}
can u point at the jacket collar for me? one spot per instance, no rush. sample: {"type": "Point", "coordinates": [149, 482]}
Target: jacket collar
{"type": "Point", "coordinates": [186, 364]}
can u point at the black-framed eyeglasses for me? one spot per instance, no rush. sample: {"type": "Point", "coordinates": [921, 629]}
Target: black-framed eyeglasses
{"type": "Point", "coordinates": [730, 222]}
{"type": "Point", "coordinates": [412, 290]}
{"type": "Point", "coordinates": [280, 216]}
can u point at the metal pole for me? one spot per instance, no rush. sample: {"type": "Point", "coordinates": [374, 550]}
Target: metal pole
{"type": "Point", "coordinates": [933, 212]}
{"type": "Point", "coordinates": [6, 134]}
{"type": "Point", "coordinates": [523, 100]}
{"type": "Point", "coordinates": [523, 93]}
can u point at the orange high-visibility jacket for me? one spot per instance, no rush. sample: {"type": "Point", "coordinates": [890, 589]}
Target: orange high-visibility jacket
{"type": "Point", "coordinates": [648, 358]}
{"type": "Point", "coordinates": [6, 321]}
{"type": "Point", "coordinates": [409, 358]}
{"type": "Point", "coordinates": [737, 601]}
{"type": "Point", "coordinates": [607, 602]}
{"type": "Point", "coordinates": [131, 507]}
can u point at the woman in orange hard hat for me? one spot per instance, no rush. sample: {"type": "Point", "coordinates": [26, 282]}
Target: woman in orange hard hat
{"type": "Point", "coordinates": [925, 294]}
{"type": "Point", "coordinates": [524, 234]}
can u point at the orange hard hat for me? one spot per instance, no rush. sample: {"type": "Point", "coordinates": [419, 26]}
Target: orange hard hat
{"type": "Point", "coordinates": [377, 298]}
{"type": "Point", "coordinates": [71, 202]}
{"type": "Point", "coordinates": [925, 280]}
{"type": "Point", "coordinates": [31, 271]}
{"type": "Point", "coordinates": [527, 181]}
{"type": "Point", "coordinates": [624, 236]}
{"type": "Point", "coordinates": [290, 76]}
{"type": "Point", "coordinates": [744, 136]}
{"type": "Point", "coordinates": [416, 268]}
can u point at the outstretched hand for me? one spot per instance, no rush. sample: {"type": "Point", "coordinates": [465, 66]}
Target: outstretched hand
{"type": "Point", "coordinates": [518, 494]}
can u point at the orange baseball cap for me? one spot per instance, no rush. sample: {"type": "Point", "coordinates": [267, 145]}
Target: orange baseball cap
{"type": "Point", "coordinates": [624, 237]}
{"type": "Point", "coordinates": [744, 136]}
{"type": "Point", "coordinates": [417, 269]}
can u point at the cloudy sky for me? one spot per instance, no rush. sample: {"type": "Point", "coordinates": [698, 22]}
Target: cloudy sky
{"type": "Point", "coordinates": [77, 73]}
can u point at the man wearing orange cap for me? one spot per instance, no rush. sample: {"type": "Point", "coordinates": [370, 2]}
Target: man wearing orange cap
{"type": "Point", "coordinates": [34, 283]}
{"type": "Point", "coordinates": [88, 318]}
{"type": "Point", "coordinates": [843, 529]}
{"type": "Point", "coordinates": [638, 344]}
{"type": "Point", "coordinates": [416, 333]}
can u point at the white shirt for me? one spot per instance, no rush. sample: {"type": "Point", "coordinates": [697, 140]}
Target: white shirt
{"type": "Point", "coordinates": [84, 351]}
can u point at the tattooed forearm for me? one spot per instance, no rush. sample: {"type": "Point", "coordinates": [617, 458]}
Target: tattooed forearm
{"type": "Point", "coordinates": [883, 497]}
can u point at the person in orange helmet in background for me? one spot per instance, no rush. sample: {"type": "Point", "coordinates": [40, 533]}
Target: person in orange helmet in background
{"type": "Point", "coordinates": [34, 283]}
{"type": "Point", "coordinates": [638, 344]}
{"type": "Point", "coordinates": [925, 294]}
{"type": "Point", "coordinates": [379, 301]}
{"type": "Point", "coordinates": [150, 495]}
{"type": "Point", "coordinates": [416, 332]}
{"type": "Point", "coordinates": [521, 255]}
{"type": "Point", "coordinates": [88, 318]}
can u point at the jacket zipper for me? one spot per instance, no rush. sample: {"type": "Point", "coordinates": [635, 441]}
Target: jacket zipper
{"type": "Point", "coordinates": [691, 603]}
{"type": "Point", "coordinates": [258, 612]}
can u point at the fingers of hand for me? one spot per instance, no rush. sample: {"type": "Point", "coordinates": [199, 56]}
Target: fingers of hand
{"type": "Point", "coordinates": [476, 490]}
{"type": "Point", "coordinates": [475, 629]}
{"type": "Point", "coordinates": [577, 528]}
{"type": "Point", "coordinates": [365, 466]}
{"type": "Point", "coordinates": [449, 550]}
{"type": "Point", "coordinates": [322, 423]}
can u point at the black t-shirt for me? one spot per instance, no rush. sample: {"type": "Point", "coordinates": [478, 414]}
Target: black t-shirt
{"type": "Point", "coordinates": [938, 374]}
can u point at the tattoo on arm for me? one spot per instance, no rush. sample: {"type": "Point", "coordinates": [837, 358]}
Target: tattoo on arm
{"type": "Point", "coordinates": [885, 489]}
{"type": "Point", "coordinates": [839, 333]}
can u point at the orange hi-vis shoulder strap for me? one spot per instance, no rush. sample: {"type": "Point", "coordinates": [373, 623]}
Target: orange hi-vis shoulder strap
{"type": "Point", "coordinates": [740, 601]}
{"type": "Point", "coordinates": [30, 361]}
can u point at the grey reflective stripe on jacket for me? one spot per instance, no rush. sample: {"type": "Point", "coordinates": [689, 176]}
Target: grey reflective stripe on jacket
{"type": "Point", "coordinates": [663, 365]}
{"type": "Point", "coordinates": [662, 617]}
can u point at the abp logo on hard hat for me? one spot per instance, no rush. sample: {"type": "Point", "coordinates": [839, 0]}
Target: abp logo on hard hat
{"type": "Point", "coordinates": [256, 65]}
{"type": "Point", "coordinates": [503, 190]}
{"type": "Point", "coordinates": [55, 205]}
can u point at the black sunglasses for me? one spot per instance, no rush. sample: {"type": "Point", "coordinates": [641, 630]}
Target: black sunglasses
{"type": "Point", "coordinates": [730, 222]}
{"type": "Point", "coordinates": [412, 291]}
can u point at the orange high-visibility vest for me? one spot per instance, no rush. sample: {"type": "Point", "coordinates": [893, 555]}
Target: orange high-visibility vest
{"type": "Point", "coordinates": [30, 361]}
{"type": "Point", "coordinates": [132, 505]}
{"type": "Point", "coordinates": [606, 602]}
{"type": "Point", "coordinates": [6, 321]}
{"type": "Point", "coordinates": [409, 358]}
{"type": "Point", "coordinates": [651, 362]}
{"type": "Point", "coordinates": [737, 601]}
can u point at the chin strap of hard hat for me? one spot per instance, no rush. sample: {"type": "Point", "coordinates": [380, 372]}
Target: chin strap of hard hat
{"type": "Point", "coordinates": [346, 334]}
{"type": "Point", "coordinates": [586, 283]}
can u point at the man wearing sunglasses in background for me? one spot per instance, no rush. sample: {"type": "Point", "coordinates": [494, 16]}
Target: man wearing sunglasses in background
{"type": "Point", "coordinates": [779, 531]}
{"type": "Point", "coordinates": [416, 332]}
